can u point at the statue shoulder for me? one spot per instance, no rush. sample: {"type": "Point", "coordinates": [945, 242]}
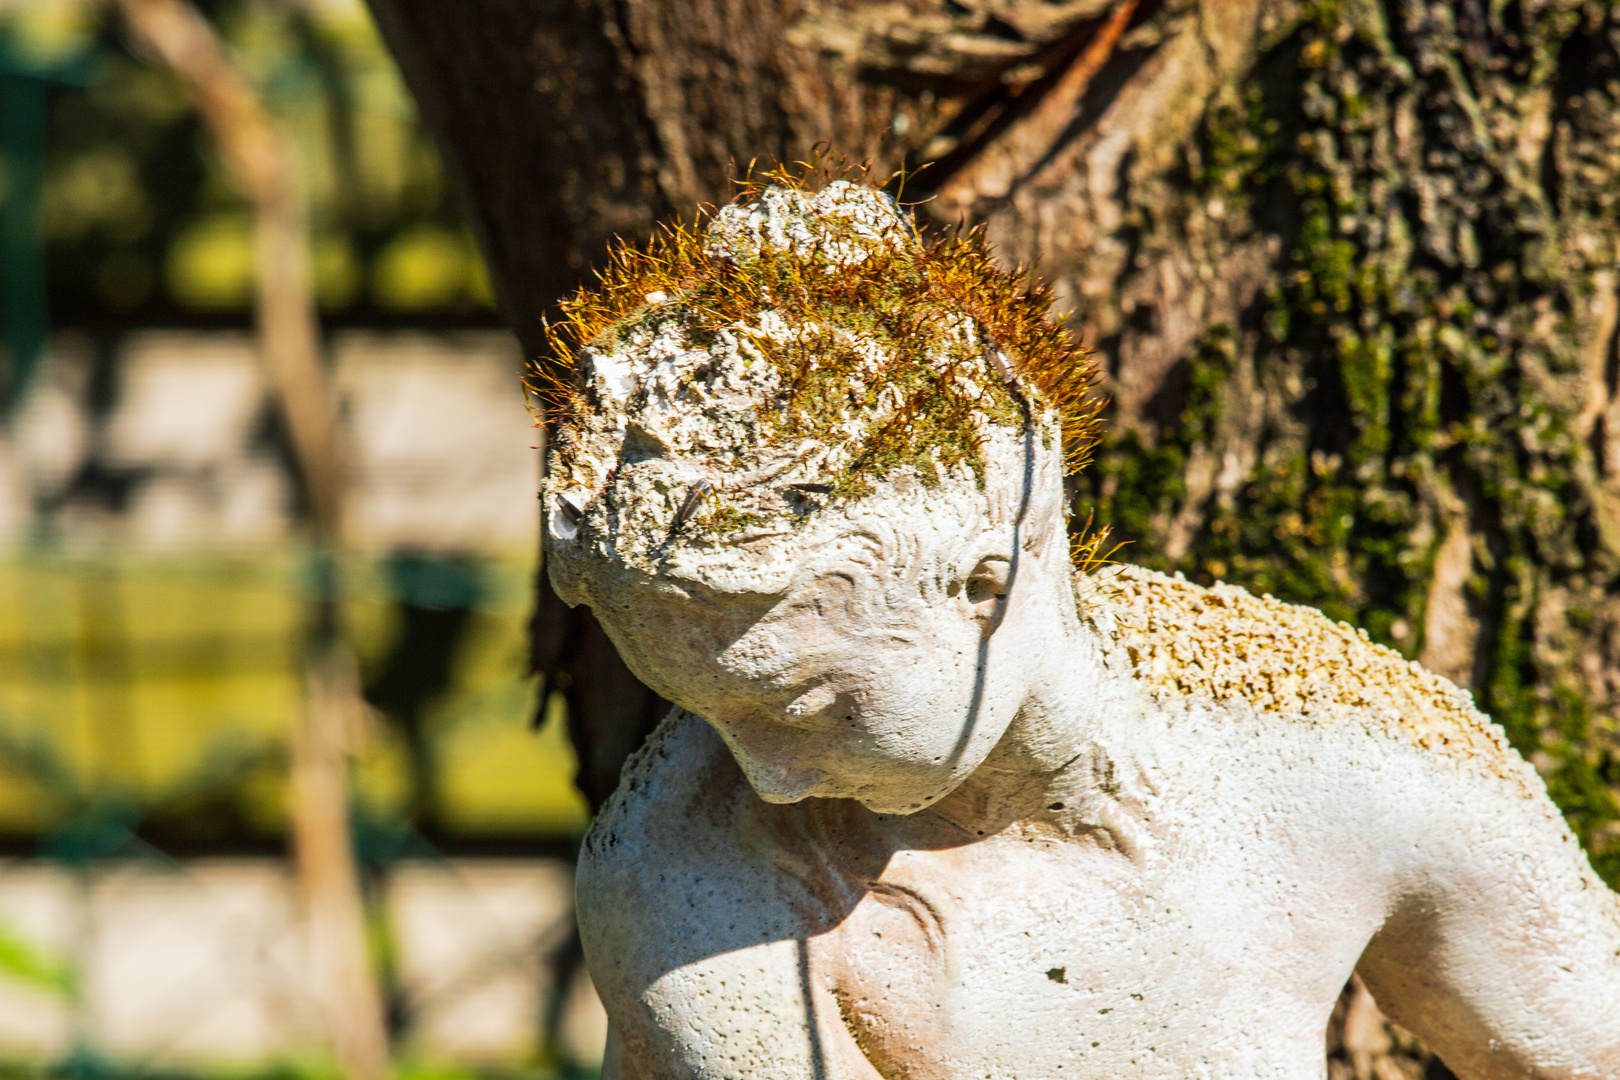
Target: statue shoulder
{"type": "Point", "coordinates": [679, 783]}
{"type": "Point", "coordinates": [1182, 641]}
{"type": "Point", "coordinates": [687, 900]}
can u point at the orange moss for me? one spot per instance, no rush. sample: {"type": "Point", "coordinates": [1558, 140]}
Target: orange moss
{"type": "Point", "coordinates": [1086, 552]}
{"type": "Point", "coordinates": [935, 382]}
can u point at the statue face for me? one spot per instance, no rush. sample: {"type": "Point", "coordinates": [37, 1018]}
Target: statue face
{"type": "Point", "coordinates": [818, 526]}
{"type": "Point", "coordinates": [877, 651]}
{"type": "Point", "coordinates": [868, 675]}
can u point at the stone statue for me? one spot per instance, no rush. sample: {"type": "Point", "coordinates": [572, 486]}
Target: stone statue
{"type": "Point", "coordinates": [933, 804]}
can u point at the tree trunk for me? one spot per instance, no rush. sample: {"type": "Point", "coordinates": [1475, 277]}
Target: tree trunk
{"type": "Point", "coordinates": [1352, 265]}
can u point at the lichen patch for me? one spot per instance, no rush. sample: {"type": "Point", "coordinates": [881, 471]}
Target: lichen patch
{"type": "Point", "coordinates": [1183, 641]}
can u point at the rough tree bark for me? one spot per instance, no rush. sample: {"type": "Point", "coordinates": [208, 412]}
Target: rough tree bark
{"type": "Point", "coordinates": [1352, 265]}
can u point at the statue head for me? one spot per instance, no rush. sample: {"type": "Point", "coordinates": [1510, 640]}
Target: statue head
{"type": "Point", "coordinates": [808, 474]}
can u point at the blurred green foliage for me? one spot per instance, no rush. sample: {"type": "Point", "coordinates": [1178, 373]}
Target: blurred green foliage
{"type": "Point", "coordinates": [142, 223]}
{"type": "Point", "coordinates": [151, 694]}
{"type": "Point", "coordinates": [22, 961]}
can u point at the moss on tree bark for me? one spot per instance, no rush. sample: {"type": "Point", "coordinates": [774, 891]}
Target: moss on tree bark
{"type": "Point", "coordinates": [1412, 421]}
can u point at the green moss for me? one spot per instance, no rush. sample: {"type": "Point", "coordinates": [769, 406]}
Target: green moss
{"type": "Point", "coordinates": [719, 519]}
{"type": "Point", "coordinates": [1236, 147]}
{"type": "Point", "coordinates": [1135, 482]}
{"type": "Point", "coordinates": [1406, 360]}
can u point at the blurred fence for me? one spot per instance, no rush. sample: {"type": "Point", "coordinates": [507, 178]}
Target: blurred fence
{"type": "Point", "coordinates": [166, 684]}
{"type": "Point", "coordinates": [166, 441]}
{"type": "Point", "coordinates": [167, 964]}
{"type": "Point", "coordinates": [151, 592]}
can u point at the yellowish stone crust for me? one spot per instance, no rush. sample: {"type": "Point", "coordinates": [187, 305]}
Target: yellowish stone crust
{"type": "Point", "coordinates": [1181, 640]}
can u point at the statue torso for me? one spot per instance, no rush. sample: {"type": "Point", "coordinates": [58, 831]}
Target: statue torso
{"type": "Point", "coordinates": [1107, 938]}
{"type": "Point", "coordinates": [1188, 903]}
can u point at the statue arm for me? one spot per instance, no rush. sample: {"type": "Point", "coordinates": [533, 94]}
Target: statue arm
{"type": "Point", "coordinates": [1501, 948]}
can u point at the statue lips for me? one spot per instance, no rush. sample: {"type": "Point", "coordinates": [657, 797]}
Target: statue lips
{"type": "Point", "coordinates": [805, 695]}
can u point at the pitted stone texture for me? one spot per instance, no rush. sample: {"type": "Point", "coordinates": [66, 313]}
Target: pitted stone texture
{"type": "Point", "coordinates": [1224, 644]}
{"type": "Point", "coordinates": [669, 415]}
{"type": "Point", "coordinates": [798, 221]}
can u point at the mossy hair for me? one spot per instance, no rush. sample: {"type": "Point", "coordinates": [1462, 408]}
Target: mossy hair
{"type": "Point", "coordinates": [896, 348]}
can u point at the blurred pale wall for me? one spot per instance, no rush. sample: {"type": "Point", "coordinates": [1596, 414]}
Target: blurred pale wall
{"type": "Point", "coordinates": [442, 445]}
{"type": "Point", "coordinates": [199, 963]}
{"type": "Point", "coordinates": [151, 591]}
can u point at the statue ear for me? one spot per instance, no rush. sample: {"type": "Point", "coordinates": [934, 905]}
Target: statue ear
{"type": "Point", "coordinates": [987, 588]}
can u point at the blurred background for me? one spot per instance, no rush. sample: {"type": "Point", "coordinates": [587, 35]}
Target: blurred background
{"type": "Point", "coordinates": [157, 578]}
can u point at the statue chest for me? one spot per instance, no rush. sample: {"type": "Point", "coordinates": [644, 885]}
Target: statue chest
{"type": "Point", "coordinates": [1033, 959]}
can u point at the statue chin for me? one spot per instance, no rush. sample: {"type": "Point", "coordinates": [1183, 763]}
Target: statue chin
{"type": "Point", "coordinates": [813, 783]}
{"type": "Point", "coordinates": [880, 805]}
{"type": "Point", "coordinates": [790, 785]}
{"type": "Point", "coordinates": [785, 784]}
{"type": "Point", "coordinates": [790, 782]}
